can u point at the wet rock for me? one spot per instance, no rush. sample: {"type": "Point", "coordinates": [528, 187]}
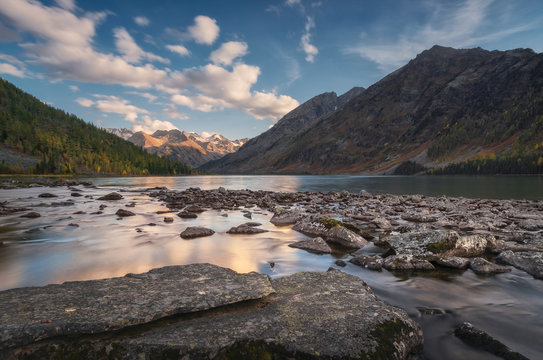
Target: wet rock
{"type": "Point", "coordinates": [374, 262]}
{"type": "Point", "coordinates": [111, 196]}
{"type": "Point", "coordinates": [80, 212]}
{"type": "Point", "coordinates": [73, 224]}
{"type": "Point", "coordinates": [315, 245]}
{"type": "Point", "coordinates": [244, 229]}
{"type": "Point", "coordinates": [420, 243]}
{"type": "Point", "coordinates": [8, 211]}
{"type": "Point", "coordinates": [90, 307]}
{"type": "Point", "coordinates": [187, 215]}
{"type": "Point", "coordinates": [345, 237]}
{"type": "Point", "coordinates": [430, 311]}
{"type": "Point", "coordinates": [531, 262]}
{"type": "Point", "coordinates": [196, 231]}
{"type": "Point", "coordinates": [252, 224]}
{"type": "Point", "coordinates": [248, 215]}
{"type": "Point", "coordinates": [102, 207]}
{"type": "Point", "coordinates": [285, 218]}
{"type": "Point", "coordinates": [194, 209]}
{"type": "Point", "coordinates": [481, 340]}
{"type": "Point", "coordinates": [75, 194]}
{"type": "Point", "coordinates": [454, 262]}
{"type": "Point", "coordinates": [168, 219]}
{"type": "Point", "coordinates": [484, 267]}
{"type": "Point", "coordinates": [340, 263]}
{"type": "Point", "coordinates": [47, 195]}
{"type": "Point", "coordinates": [132, 204]}
{"type": "Point", "coordinates": [406, 262]}
{"type": "Point", "coordinates": [328, 315]}
{"type": "Point", "coordinates": [31, 215]}
{"type": "Point", "coordinates": [124, 213]}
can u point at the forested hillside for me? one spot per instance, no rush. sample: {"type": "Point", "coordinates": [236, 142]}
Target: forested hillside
{"type": "Point", "coordinates": [65, 144]}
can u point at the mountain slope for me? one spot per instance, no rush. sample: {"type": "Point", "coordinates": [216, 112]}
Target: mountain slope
{"type": "Point", "coordinates": [446, 105]}
{"type": "Point", "coordinates": [189, 148]}
{"type": "Point", "coordinates": [260, 153]}
{"type": "Point", "coordinates": [62, 143]}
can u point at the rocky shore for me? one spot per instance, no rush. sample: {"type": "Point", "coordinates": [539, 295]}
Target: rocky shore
{"type": "Point", "coordinates": [203, 311]}
{"type": "Point", "coordinates": [409, 232]}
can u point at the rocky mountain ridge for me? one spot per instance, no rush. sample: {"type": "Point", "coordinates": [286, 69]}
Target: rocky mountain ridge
{"type": "Point", "coordinates": [446, 105]}
{"type": "Point", "coordinates": [188, 147]}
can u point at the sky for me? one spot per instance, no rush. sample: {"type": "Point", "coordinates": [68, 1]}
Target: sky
{"type": "Point", "coordinates": [232, 67]}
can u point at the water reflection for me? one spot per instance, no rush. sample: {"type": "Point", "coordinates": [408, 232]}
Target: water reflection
{"type": "Point", "coordinates": [492, 187]}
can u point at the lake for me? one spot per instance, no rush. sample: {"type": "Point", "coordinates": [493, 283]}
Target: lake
{"type": "Point", "coordinates": [72, 241]}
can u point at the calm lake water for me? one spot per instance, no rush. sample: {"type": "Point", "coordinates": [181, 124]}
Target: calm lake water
{"type": "Point", "coordinates": [50, 249]}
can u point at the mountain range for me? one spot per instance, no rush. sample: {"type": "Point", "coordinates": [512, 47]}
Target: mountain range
{"type": "Point", "coordinates": [187, 147]}
{"type": "Point", "coordinates": [446, 106]}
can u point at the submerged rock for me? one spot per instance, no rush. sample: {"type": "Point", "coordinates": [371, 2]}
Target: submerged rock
{"type": "Point", "coordinates": [245, 229]}
{"type": "Point", "coordinates": [531, 262]}
{"type": "Point", "coordinates": [111, 196]}
{"type": "Point", "coordinates": [124, 213]}
{"type": "Point", "coordinates": [168, 219]}
{"type": "Point", "coordinates": [480, 339]}
{"type": "Point", "coordinates": [328, 315]}
{"type": "Point", "coordinates": [31, 215]}
{"type": "Point", "coordinates": [485, 267]}
{"type": "Point", "coordinates": [47, 195]}
{"type": "Point", "coordinates": [369, 262]}
{"type": "Point", "coordinates": [196, 231]}
{"type": "Point", "coordinates": [315, 245]}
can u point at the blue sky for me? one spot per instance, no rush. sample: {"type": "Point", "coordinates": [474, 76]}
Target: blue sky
{"type": "Point", "coordinates": [233, 67]}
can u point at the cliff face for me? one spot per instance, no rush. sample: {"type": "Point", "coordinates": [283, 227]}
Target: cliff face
{"type": "Point", "coordinates": [445, 105]}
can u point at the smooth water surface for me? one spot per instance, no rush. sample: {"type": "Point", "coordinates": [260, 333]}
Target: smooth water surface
{"type": "Point", "coordinates": [490, 187]}
{"type": "Point", "coordinates": [50, 249]}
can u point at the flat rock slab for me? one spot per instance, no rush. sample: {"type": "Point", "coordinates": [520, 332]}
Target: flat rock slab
{"type": "Point", "coordinates": [88, 307]}
{"type": "Point", "coordinates": [245, 230]}
{"type": "Point", "coordinates": [328, 315]}
{"type": "Point", "coordinates": [531, 262]}
{"type": "Point", "coordinates": [316, 245]}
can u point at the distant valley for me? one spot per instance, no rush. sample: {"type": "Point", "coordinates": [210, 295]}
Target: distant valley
{"type": "Point", "coordinates": [187, 147]}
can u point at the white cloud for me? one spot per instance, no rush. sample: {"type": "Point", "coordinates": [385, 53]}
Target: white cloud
{"type": "Point", "coordinates": [228, 52]}
{"type": "Point", "coordinates": [173, 113]}
{"type": "Point", "coordinates": [179, 49]}
{"type": "Point", "coordinates": [150, 97]}
{"type": "Point", "coordinates": [11, 59]}
{"type": "Point", "coordinates": [114, 105]}
{"type": "Point", "coordinates": [205, 30]}
{"type": "Point", "coordinates": [11, 70]}
{"type": "Point", "coordinates": [131, 51]}
{"type": "Point", "coordinates": [65, 49]}
{"type": "Point", "coordinates": [74, 88]}
{"type": "Point", "coordinates": [141, 20]}
{"type": "Point", "coordinates": [67, 4]}
{"type": "Point", "coordinates": [310, 50]}
{"type": "Point", "coordinates": [149, 125]}
{"type": "Point", "coordinates": [218, 88]}
{"type": "Point", "coordinates": [292, 3]}
{"type": "Point", "coordinates": [455, 26]}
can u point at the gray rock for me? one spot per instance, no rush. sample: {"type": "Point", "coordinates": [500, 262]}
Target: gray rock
{"type": "Point", "coordinates": [368, 262]}
{"type": "Point", "coordinates": [382, 223]}
{"type": "Point", "coordinates": [285, 218]}
{"type": "Point", "coordinates": [420, 243]}
{"type": "Point", "coordinates": [480, 339]}
{"type": "Point", "coordinates": [252, 224]}
{"type": "Point", "coordinates": [187, 215]}
{"type": "Point", "coordinates": [345, 237]}
{"type": "Point", "coordinates": [111, 196]}
{"type": "Point", "coordinates": [328, 315]}
{"type": "Point", "coordinates": [316, 245]}
{"type": "Point", "coordinates": [31, 215]}
{"type": "Point", "coordinates": [406, 262]}
{"type": "Point", "coordinates": [244, 229]}
{"type": "Point", "coordinates": [124, 213]}
{"type": "Point", "coordinates": [470, 246]}
{"type": "Point", "coordinates": [194, 209]}
{"type": "Point", "coordinates": [311, 228]}
{"type": "Point", "coordinates": [196, 231]}
{"type": "Point", "coordinates": [95, 306]}
{"type": "Point", "coordinates": [47, 195]}
{"type": "Point", "coordinates": [454, 262]}
{"type": "Point", "coordinates": [484, 267]}
{"type": "Point", "coordinates": [531, 262]}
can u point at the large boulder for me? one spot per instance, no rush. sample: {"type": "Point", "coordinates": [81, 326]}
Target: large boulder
{"type": "Point", "coordinates": [345, 237]}
{"type": "Point", "coordinates": [328, 315]}
{"type": "Point", "coordinates": [531, 262]}
{"type": "Point", "coordinates": [421, 243]}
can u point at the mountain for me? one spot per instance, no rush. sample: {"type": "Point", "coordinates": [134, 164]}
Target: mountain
{"type": "Point", "coordinates": [477, 108]}
{"type": "Point", "coordinates": [260, 153]}
{"type": "Point", "coordinates": [122, 132]}
{"type": "Point", "coordinates": [189, 148]}
{"type": "Point", "coordinates": [37, 138]}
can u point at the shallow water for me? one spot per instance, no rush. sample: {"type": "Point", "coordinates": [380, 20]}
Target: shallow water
{"type": "Point", "coordinates": [49, 250]}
